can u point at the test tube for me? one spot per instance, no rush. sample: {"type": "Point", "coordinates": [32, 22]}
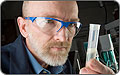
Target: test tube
{"type": "Point", "coordinates": [92, 42]}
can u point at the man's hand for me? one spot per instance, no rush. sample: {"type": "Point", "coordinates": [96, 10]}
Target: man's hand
{"type": "Point", "coordinates": [96, 67]}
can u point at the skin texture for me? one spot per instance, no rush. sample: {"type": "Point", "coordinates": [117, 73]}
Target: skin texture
{"type": "Point", "coordinates": [46, 48]}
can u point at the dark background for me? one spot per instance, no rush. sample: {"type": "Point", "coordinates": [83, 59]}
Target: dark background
{"type": "Point", "coordinates": [100, 12]}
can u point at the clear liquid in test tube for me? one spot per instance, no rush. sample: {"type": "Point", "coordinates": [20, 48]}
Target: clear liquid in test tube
{"type": "Point", "coordinates": [92, 42]}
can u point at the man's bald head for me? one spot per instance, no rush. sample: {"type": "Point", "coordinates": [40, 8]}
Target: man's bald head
{"type": "Point", "coordinates": [33, 8]}
{"type": "Point", "coordinates": [25, 8]}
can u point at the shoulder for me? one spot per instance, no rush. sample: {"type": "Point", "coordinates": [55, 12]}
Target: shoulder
{"type": "Point", "coordinates": [5, 57]}
{"type": "Point", "coordinates": [8, 54]}
{"type": "Point", "coordinates": [10, 48]}
{"type": "Point", "coordinates": [13, 46]}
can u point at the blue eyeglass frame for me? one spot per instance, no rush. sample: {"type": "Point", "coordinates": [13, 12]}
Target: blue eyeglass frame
{"type": "Point", "coordinates": [65, 24]}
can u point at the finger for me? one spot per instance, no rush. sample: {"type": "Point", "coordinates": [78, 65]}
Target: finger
{"type": "Point", "coordinates": [99, 67]}
{"type": "Point", "coordinates": [87, 70]}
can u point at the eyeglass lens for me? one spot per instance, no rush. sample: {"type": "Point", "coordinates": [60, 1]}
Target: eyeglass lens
{"type": "Point", "coordinates": [50, 27]}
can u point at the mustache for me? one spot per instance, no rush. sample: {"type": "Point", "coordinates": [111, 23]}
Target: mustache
{"type": "Point", "coordinates": [57, 44]}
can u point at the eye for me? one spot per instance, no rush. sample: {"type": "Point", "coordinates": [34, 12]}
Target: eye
{"type": "Point", "coordinates": [49, 21]}
{"type": "Point", "coordinates": [72, 25]}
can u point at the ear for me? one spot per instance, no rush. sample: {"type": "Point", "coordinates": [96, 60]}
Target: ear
{"type": "Point", "coordinates": [22, 26]}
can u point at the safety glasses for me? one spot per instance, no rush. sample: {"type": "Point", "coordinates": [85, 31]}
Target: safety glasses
{"type": "Point", "coordinates": [51, 25]}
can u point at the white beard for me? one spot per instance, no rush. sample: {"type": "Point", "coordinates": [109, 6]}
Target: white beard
{"type": "Point", "coordinates": [52, 58]}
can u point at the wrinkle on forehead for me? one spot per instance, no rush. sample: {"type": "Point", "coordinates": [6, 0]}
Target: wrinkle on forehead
{"type": "Point", "coordinates": [41, 6]}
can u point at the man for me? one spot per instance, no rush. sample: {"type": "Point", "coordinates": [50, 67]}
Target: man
{"type": "Point", "coordinates": [47, 29]}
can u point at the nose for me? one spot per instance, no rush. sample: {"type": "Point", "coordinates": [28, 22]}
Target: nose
{"type": "Point", "coordinates": [61, 35]}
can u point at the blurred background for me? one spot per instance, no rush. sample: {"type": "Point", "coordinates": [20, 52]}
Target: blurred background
{"type": "Point", "coordinates": [105, 13]}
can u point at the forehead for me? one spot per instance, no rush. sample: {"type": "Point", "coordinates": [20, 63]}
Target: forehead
{"type": "Point", "coordinates": [61, 9]}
